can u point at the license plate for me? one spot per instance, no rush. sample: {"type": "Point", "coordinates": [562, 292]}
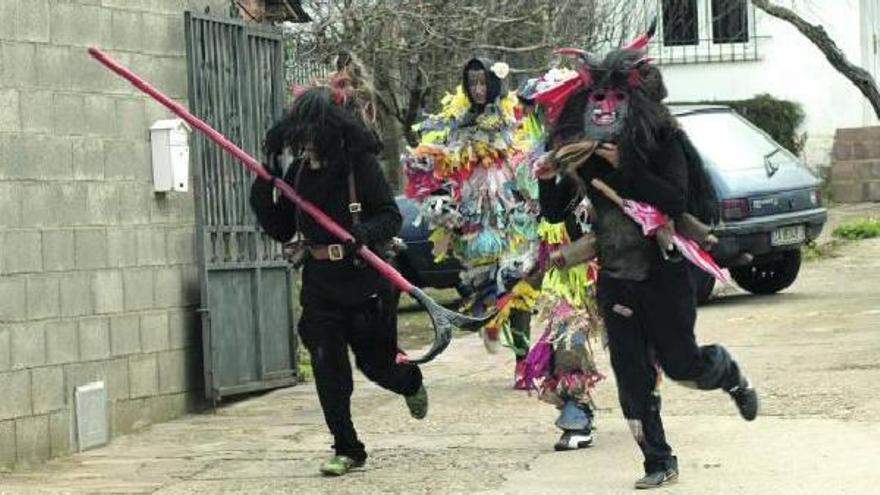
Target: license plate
{"type": "Point", "coordinates": [784, 236]}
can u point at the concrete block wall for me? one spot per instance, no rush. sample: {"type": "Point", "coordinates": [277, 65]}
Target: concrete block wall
{"type": "Point", "coordinates": [98, 277]}
{"type": "Point", "coordinates": [855, 170]}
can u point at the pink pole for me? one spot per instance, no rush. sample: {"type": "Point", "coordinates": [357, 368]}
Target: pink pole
{"type": "Point", "coordinates": [256, 167]}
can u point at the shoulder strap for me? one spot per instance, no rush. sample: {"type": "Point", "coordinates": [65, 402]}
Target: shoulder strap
{"type": "Point", "coordinates": [297, 217]}
{"type": "Point", "coordinates": [354, 207]}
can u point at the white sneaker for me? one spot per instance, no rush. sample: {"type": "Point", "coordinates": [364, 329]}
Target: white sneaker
{"type": "Point", "coordinates": [573, 440]}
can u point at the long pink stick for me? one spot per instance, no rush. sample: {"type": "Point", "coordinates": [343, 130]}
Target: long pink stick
{"type": "Point", "coordinates": [256, 167]}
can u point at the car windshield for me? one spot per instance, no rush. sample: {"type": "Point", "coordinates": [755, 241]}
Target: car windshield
{"type": "Point", "coordinates": [729, 142]}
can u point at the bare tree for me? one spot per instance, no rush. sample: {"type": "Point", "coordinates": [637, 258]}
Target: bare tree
{"type": "Point", "coordinates": [817, 35]}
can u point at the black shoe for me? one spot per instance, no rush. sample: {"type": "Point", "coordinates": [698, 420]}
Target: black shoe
{"type": "Point", "coordinates": [573, 440]}
{"type": "Point", "coordinates": [746, 399]}
{"type": "Point", "coordinates": [659, 478]}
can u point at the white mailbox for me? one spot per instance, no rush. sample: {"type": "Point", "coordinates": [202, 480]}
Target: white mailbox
{"type": "Point", "coordinates": [170, 150]}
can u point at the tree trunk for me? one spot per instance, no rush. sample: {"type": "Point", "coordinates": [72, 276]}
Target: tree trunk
{"type": "Point", "coordinates": [861, 78]}
{"type": "Point", "coordinates": [391, 150]}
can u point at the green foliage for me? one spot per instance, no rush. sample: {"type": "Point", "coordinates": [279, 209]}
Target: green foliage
{"type": "Point", "coordinates": [863, 228]}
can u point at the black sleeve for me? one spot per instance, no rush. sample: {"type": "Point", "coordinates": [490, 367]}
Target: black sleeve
{"type": "Point", "coordinates": [556, 198]}
{"type": "Point", "coordinates": [277, 219]}
{"type": "Point", "coordinates": [381, 219]}
{"type": "Point", "coordinates": [664, 185]}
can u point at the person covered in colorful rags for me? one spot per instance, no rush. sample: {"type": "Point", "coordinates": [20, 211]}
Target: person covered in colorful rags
{"type": "Point", "coordinates": [561, 363]}
{"type": "Point", "coordinates": [344, 303]}
{"type": "Point", "coordinates": [628, 159]}
{"type": "Point", "coordinates": [480, 200]}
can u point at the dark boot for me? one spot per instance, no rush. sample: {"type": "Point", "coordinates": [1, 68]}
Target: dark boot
{"type": "Point", "coordinates": [659, 478]}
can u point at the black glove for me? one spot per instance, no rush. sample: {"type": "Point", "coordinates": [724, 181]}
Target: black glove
{"type": "Point", "coordinates": [361, 237]}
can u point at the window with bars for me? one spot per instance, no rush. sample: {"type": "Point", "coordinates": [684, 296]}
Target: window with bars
{"type": "Point", "coordinates": [730, 21]}
{"type": "Point", "coordinates": [680, 23]}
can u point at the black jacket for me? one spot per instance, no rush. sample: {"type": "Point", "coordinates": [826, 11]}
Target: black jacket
{"type": "Point", "coordinates": [624, 251]}
{"type": "Point", "coordinates": [327, 188]}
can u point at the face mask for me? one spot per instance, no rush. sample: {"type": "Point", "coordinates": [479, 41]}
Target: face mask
{"type": "Point", "coordinates": [477, 88]}
{"type": "Point", "coordinates": [605, 113]}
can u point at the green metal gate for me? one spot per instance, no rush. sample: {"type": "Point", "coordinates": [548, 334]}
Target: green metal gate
{"type": "Point", "coordinates": [236, 84]}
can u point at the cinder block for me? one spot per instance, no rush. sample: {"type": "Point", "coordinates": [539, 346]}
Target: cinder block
{"type": "Point", "coordinates": [79, 24]}
{"type": "Point", "coordinates": [62, 345]}
{"type": "Point", "coordinates": [88, 159]}
{"type": "Point", "coordinates": [872, 191]}
{"type": "Point", "coordinates": [167, 407]}
{"type": "Point", "coordinates": [76, 294]}
{"type": "Point", "coordinates": [122, 248]}
{"type": "Point", "coordinates": [125, 336]}
{"type": "Point", "coordinates": [13, 298]}
{"type": "Point", "coordinates": [35, 117]}
{"type": "Point", "coordinates": [143, 375]}
{"type": "Point", "coordinates": [47, 389]}
{"type": "Point", "coordinates": [60, 433]}
{"type": "Point", "coordinates": [15, 388]}
{"type": "Point", "coordinates": [134, 203]}
{"type": "Point", "coordinates": [54, 64]}
{"type": "Point", "coordinates": [170, 75]}
{"type": "Point", "coordinates": [154, 332]}
{"type": "Point", "coordinates": [847, 192]}
{"type": "Point", "coordinates": [69, 109]}
{"type": "Point", "coordinates": [178, 371]}
{"type": "Point", "coordinates": [7, 446]}
{"type": "Point", "coordinates": [107, 291]}
{"type": "Point", "coordinates": [22, 251]}
{"type": "Point", "coordinates": [127, 30]}
{"type": "Point", "coordinates": [32, 21]}
{"type": "Point", "coordinates": [127, 159]}
{"type": "Point", "coordinates": [58, 250]}
{"type": "Point", "coordinates": [5, 348]}
{"type": "Point", "coordinates": [43, 297]}
{"type": "Point", "coordinates": [94, 339]}
{"type": "Point", "coordinates": [32, 440]}
{"type": "Point", "coordinates": [169, 291]}
{"type": "Point", "coordinates": [10, 117]}
{"type": "Point", "coordinates": [44, 157]}
{"type": "Point", "coordinates": [100, 115]}
{"type": "Point", "coordinates": [66, 205]}
{"type": "Point", "coordinates": [163, 34]}
{"type": "Point", "coordinates": [113, 373]}
{"type": "Point", "coordinates": [151, 246]}
{"type": "Point", "coordinates": [90, 248]}
{"type": "Point", "coordinates": [130, 116]}
{"type": "Point", "coordinates": [183, 329]}
{"type": "Point", "coordinates": [10, 205]}
{"type": "Point", "coordinates": [138, 287]}
{"type": "Point", "coordinates": [28, 345]}
{"type": "Point", "coordinates": [21, 56]}
{"type": "Point", "coordinates": [181, 245]}
{"type": "Point", "coordinates": [845, 171]}
{"type": "Point", "coordinates": [101, 203]}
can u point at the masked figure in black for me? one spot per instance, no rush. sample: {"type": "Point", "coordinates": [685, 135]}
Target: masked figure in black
{"type": "Point", "coordinates": [645, 294]}
{"type": "Point", "coordinates": [344, 303]}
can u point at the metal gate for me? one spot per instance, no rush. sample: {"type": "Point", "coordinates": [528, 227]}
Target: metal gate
{"type": "Point", "coordinates": [236, 84]}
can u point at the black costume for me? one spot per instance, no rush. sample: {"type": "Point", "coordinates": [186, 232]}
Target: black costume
{"type": "Point", "coordinates": [646, 301]}
{"type": "Point", "coordinates": [343, 303]}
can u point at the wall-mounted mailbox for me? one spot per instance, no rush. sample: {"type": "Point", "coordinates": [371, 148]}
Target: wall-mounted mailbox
{"type": "Point", "coordinates": [170, 150]}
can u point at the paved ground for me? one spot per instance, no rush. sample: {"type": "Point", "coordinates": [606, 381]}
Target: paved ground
{"type": "Point", "coordinates": [814, 353]}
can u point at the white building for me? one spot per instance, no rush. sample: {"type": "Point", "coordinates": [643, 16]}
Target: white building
{"type": "Point", "coordinates": [728, 50]}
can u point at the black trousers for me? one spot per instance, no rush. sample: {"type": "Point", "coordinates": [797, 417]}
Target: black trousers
{"type": "Point", "coordinates": [328, 329]}
{"type": "Point", "coordinates": [651, 323]}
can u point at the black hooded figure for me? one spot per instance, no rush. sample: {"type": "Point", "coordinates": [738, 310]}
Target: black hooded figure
{"type": "Point", "coordinates": [646, 296]}
{"type": "Point", "coordinates": [344, 304]}
{"type": "Point", "coordinates": [482, 87]}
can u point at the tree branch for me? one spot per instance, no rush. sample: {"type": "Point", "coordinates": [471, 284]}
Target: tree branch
{"type": "Point", "coordinates": [860, 77]}
{"type": "Point", "coordinates": [509, 49]}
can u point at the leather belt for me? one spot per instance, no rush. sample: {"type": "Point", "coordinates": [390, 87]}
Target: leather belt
{"type": "Point", "coordinates": [329, 252]}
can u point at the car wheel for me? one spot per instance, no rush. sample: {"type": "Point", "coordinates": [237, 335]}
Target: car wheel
{"type": "Point", "coordinates": [703, 285]}
{"type": "Point", "coordinates": [769, 277]}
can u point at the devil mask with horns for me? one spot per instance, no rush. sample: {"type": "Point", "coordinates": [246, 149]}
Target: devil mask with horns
{"type": "Point", "coordinates": [607, 99]}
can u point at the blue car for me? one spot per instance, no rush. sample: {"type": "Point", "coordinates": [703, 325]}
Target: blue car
{"type": "Point", "coordinates": [770, 207]}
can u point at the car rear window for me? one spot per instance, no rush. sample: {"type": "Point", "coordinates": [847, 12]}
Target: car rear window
{"type": "Point", "coordinates": [729, 142]}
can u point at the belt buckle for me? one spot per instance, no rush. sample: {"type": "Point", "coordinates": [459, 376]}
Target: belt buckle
{"type": "Point", "coordinates": [335, 252]}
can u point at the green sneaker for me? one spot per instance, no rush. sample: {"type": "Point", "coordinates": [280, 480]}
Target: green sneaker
{"type": "Point", "coordinates": [339, 465]}
{"type": "Point", "coordinates": [418, 403]}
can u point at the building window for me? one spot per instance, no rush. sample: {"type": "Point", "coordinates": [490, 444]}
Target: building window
{"type": "Point", "coordinates": [730, 21]}
{"type": "Point", "coordinates": [680, 23]}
